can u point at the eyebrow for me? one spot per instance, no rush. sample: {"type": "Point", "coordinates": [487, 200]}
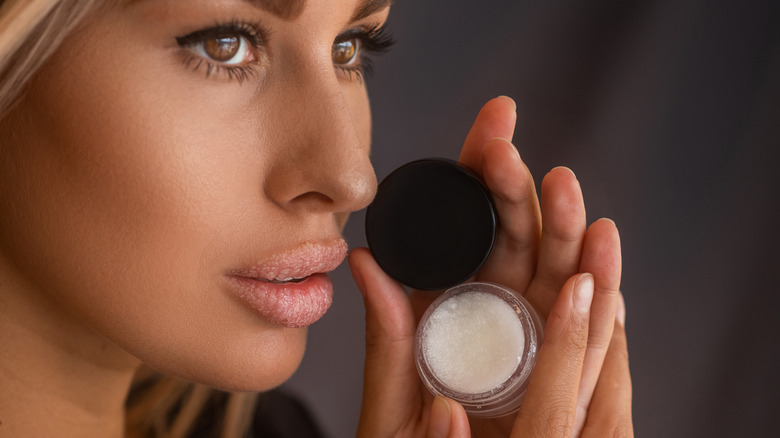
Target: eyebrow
{"type": "Point", "coordinates": [291, 9]}
{"type": "Point", "coordinates": [368, 7]}
{"type": "Point", "coordinates": [285, 9]}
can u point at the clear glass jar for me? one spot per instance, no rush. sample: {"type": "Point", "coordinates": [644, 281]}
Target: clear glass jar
{"type": "Point", "coordinates": [477, 344]}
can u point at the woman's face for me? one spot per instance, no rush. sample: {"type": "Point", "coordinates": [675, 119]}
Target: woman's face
{"type": "Point", "coordinates": [178, 174]}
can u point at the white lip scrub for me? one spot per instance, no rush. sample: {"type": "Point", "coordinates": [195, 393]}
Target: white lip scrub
{"type": "Point", "coordinates": [477, 344]}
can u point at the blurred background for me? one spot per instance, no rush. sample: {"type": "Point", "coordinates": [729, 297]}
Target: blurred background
{"type": "Point", "coordinates": [669, 113]}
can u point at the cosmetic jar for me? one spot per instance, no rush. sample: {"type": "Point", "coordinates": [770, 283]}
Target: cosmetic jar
{"type": "Point", "coordinates": [431, 226]}
{"type": "Point", "coordinates": [477, 344]}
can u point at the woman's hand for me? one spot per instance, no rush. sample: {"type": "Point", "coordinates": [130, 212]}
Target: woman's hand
{"type": "Point", "coordinates": [571, 274]}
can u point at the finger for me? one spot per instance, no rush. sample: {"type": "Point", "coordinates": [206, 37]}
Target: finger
{"type": "Point", "coordinates": [447, 419]}
{"type": "Point", "coordinates": [513, 259]}
{"type": "Point", "coordinates": [563, 231]}
{"type": "Point", "coordinates": [496, 119]}
{"type": "Point", "coordinates": [610, 410]}
{"type": "Point", "coordinates": [601, 257]}
{"type": "Point", "coordinates": [550, 403]}
{"type": "Point", "coordinates": [389, 376]}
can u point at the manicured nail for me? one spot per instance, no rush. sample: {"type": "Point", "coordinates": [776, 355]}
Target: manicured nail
{"type": "Point", "coordinates": [439, 426]}
{"type": "Point", "coordinates": [583, 293]}
{"type": "Point", "coordinates": [514, 104]}
{"type": "Point", "coordinates": [566, 169]}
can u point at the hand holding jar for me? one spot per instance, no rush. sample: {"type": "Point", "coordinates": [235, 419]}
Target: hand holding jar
{"type": "Point", "coordinates": [567, 272]}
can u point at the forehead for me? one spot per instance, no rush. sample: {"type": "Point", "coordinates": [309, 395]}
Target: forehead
{"type": "Point", "coordinates": [292, 9]}
{"type": "Point", "coordinates": [286, 9]}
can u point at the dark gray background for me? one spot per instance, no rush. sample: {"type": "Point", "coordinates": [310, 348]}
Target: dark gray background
{"type": "Point", "coordinates": [669, 113]}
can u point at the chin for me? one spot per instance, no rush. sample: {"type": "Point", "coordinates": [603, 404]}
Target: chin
{"type": "Point", "coordinates": [259, 364]}
{"type": "Point", "coordinates": [264, 364]}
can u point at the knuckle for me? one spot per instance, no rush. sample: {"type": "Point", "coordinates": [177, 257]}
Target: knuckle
{"type": "Point", "coordinates": [556, 420]}
{"type": "Point", "coordinates": [576, 339]}
{"type": "Point", "coordinates": [554, 415]}
{"type": "Point", "coordinates": [566, 233]}
{"type": "Point", "coordinates": [599, 343]}
{"type": "Point", "coordinates": [572, 337]}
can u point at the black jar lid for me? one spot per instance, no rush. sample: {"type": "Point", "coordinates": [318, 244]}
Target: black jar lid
{"type": "Point", "coordinates": [432, 224]}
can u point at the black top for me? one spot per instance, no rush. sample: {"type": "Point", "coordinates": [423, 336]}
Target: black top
{"type": "Point", "coordinates": [277, 415]}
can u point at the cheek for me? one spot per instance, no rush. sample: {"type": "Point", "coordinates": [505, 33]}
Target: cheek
{"type": "Point", "coordinates": [357, 100]}
{"type": "Point", "coordinates": [126, 212]}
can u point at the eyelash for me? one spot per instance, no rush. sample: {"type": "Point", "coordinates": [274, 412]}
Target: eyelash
{"type": "Point", "coordinates": [371, 40]}
{"type": "Point", "coordinates": [252, 32]}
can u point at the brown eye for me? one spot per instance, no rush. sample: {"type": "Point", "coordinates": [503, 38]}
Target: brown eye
{"type": "Point", "coordinates": [222, 49]}
{"type": "Point", "coordinates": [228, 49]}
{"type": "Point", "coordinates": [344, 52]}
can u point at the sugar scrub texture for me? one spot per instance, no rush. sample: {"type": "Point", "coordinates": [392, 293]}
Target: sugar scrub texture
{"type": "Point", "coordinates": [473, 342]}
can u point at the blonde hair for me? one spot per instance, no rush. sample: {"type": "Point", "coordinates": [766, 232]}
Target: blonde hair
{"type": "Point", "coordinates": [159, 406]}
{"type": "Point", "coordinates": [168, 407]}
{"type": "Point", "coordinates": [30, 31]}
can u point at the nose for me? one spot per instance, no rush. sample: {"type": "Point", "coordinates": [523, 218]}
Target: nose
{"type": "Point", "coordinates": [321, 156]}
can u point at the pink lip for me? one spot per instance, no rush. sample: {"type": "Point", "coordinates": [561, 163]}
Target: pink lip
{"type": "Point", "coordinates": [291, 288]}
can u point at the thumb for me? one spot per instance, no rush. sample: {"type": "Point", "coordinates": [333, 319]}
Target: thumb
{"type": "Point", "coordinates": [448, 419]}
{"type": "Point", "coordinates": [390, 382]}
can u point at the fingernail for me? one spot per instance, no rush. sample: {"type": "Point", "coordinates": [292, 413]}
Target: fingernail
{"type": "Point", "coordinates": [439, 426]}
{"type": "Point", "coordinates": [565, 169]}
{"type": "Point", "coordinates": [583, 293]}
{"type": "Point", "coordinates": [514, 104]}
{"type": "Point", "coordinates": [620, 313]}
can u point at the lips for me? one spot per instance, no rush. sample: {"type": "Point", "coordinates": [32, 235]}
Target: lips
{"type": "Point", "coordinates": [290, 288]}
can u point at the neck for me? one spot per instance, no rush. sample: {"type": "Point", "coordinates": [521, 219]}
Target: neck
{"type": "Point", "coordinates": [57, 376]}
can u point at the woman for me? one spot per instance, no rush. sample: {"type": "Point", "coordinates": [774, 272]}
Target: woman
{"type": "Point", "coordinates": [175, 178]}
